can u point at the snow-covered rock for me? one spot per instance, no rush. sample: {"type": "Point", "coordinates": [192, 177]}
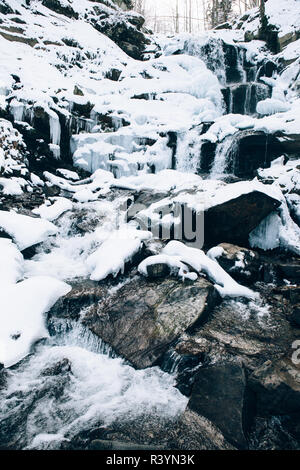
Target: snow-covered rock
{"type": "Point", "coordinates": [178, 256]}
{"type": "Point", "coordinates": [11, 265]}
{"type": "Point", "coordinates": [51, 212]}
{"type": "Point", "coordinates": [22, 315]}
{"type": "Point", "coordinates": [25, 231]}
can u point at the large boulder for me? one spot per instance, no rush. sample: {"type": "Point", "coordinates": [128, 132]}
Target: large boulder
{"type": "Point", "coordinates": [220, 394]}
{"type": "Point", "coordinates": [231, 212]}
{"type": "Point", "coordinates": [277, 387]}
{"type": "Point", "coordinates": [233, 220]}
{"type": "Point", "coordinates": [143, 317]}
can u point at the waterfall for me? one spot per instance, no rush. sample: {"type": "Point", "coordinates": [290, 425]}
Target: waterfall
{"type": "Point", "coordinates": [188, 156]}
{"type": "Point", "coordinates": [240, 65]}
{"type": "Point", "coordinates": [225, 154]}
{"type": "Point", "coordinates": [247, 104]}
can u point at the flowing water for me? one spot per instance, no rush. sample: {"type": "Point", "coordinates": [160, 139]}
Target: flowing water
{"type": "Point", "coordinates": [73, 383]}
{"type": "Point", "coordinates": [225, 155]}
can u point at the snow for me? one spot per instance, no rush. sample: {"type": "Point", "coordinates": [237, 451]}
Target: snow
{"type": "Point", "coordinates": [177, 255]}
{"type": "Point", "coordinates": [25, 231]}
{"type": "Point", "coordinates": [22, 315]}
{"type": "Point", "coordinates": [68, 174]}
{"type": "Point", "coordinates": [115, 252]}
{"type": "Point", "coordinates": [173, 262]}
{"type": "Point", "coordinates": [272, 106]}
{"type": "Point", "coordinates": [11, 187]}
{"type": "Point", "coordinates": [11, 266]}
{"type": "Point", "coordinates": [50, 211]}
{"type": "Point", "coordinates": [215, 252]}
{"type": "Point", "coordinates": [285, 16]}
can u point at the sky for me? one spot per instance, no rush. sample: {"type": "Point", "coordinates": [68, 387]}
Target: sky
{"type": "Point", "coordinates": [165, 9]}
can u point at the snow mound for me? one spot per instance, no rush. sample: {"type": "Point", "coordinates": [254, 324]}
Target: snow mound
{"type": "Point", "coordinates": [11, 266]}
{"type": "Point", "coordinates": [25, 231]}
{"type": "Point", "coordinates": [115, 252]}
{"type": "Point", "coordinates": [22, 310]}
{"type": "Point", "coordinates": [176, 254]}
{"type": "Point", "coordinates": [50, 211]}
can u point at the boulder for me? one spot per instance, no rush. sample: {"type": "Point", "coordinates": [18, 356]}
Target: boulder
{"type": "Point", "coordinates": [83, 295]}
{"type": "Point", "coordinates": [277, 387]}
{"type": "Point", "coordinates": [233, 220]}
{"type": "Point", "coordinates": [256, 149]}
{"type": "Point", "coordinates": [194, 432]}
{"type": "Point", "coordinates": [141, 320]}
{"type": "Point", "coordinates": [220, 394]}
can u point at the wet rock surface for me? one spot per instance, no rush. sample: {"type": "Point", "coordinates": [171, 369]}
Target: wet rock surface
{"type": "Point", "coordinates": [144, 317]}
{"type": "Point", "coordinates": [232, 221]}
{"type": "Point", "coordinates": [220, 394]}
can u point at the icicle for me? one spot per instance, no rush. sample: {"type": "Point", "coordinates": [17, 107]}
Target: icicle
{"type": "Point", "coordinates": [55, 130]}
{"type": "Point", "coordinates": [55, 133]}
{"type": "Point", "coordinates": [17, 110]}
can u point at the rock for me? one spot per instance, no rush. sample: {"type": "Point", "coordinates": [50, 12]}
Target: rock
{"type": "Point", "coordinates": [60, 7]}
{"type": "Point", "coordinates": [31, 251]}
{"type": "Point", "coordinates": [159, 270]}
{"type": "Point", "coordinates": [292, 293]}
{"type": "Point", "coordinates": [14, 38]}
{"type": "Point", "coordinates": [82, 295]}
{"type": "Point", "coordinates": [290, 143]}
{"type": "Point", "coordinates": [113, 74]}
{"type": "Point", "coordinates": [255, 150]}
{"type": "Point", "coordinates": [233, 220]}
{"type": "Point", "coordinates": [277, 387]}
{"type": "Point", "coordinates": [77, 91]}
{"type": "Point", "coordinates": [141, 320]}
{"type": "Point", "coordinates": [220, 394]}
{"type": "Point", "coordinates": [2, 376]}
{"type": "Point", "coordinates": [295, 317]}
{"type": "Point", "coordinates": [286, 39]}
{"type": "Point", "coordinates": [194, 432]}
{"type": "Point", "coordinates": [290, 270]}
{"type": "Point", "coordinates": [230, 221]}
{"type": "Point", "coordinates": [61, 368]}
{"type": "Point", "coordinates": [241, 263]}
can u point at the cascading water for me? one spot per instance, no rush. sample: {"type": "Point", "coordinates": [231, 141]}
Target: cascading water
{"type": "Point", "coordinates": [225, 154]}
{"type": "Point", "coordinates": [188, 154]}
{"type": "Point", "coordinates": [71, 384]}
